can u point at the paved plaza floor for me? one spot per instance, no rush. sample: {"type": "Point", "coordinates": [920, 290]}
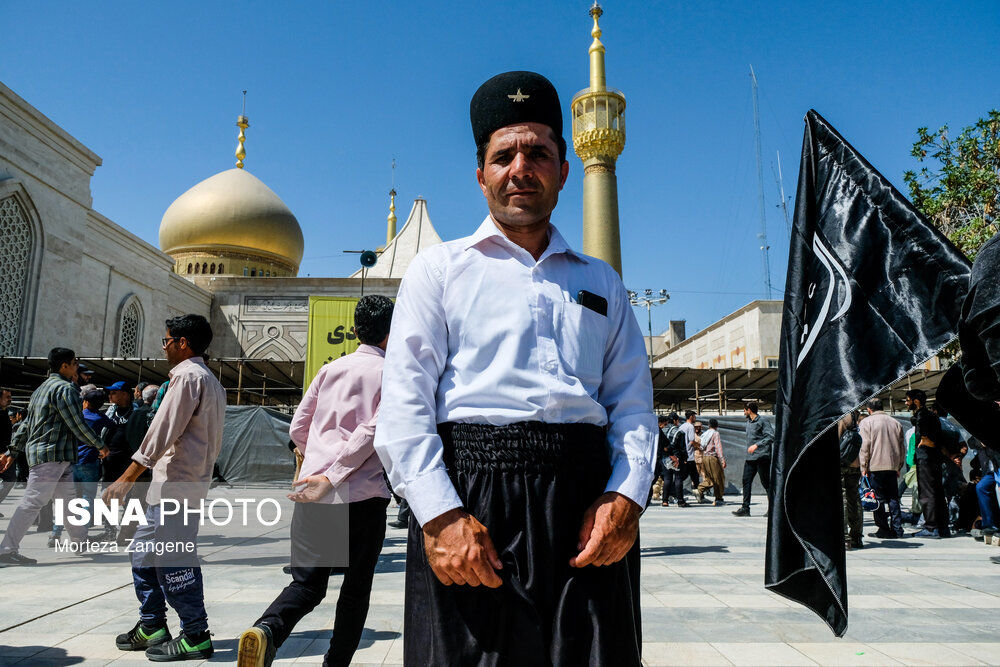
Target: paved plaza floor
{"type": "Point", "coordinates": [912, 602]}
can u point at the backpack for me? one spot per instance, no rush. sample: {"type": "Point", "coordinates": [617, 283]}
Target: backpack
{"type": "Point", "coordinates": [850, 446]}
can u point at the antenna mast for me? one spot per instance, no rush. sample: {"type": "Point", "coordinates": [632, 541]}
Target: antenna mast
{"type": "Point", "coordinates": [760, 187]}
{"type": "Point", "coordinates": [781, 193]}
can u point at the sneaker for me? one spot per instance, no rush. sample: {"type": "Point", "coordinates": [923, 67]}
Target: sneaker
{"type": "Point", "coordinates": [181, 649]}
{"type": "Point", "coordinates": [398, 524]}
{"type": "Point", "coordinates": [682, 503]}
{"type": "Point", "coordinates": [51, 542]}
{"type": "Point", "coordinates": [140, 638]}
{"type": "Point", "coordinates": [743, 511]}
{"type": "Point", "coordinates": [14, 558]}
{"type": "Point", "coordinates": [927, 533]}
{"type": "Point", "coordinates": [986, 534]}
{"type": "Point", "coordinates": [256, 647]}
{"type": "Point", "coordinates": [857, 544]}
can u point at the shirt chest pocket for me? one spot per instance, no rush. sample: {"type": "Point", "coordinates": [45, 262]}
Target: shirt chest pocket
{"type": "Point", "coordinates": [581, 336]}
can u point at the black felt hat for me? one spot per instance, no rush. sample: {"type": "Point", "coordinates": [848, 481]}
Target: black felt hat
{"type": "Point", "coordinates": [511, 98]}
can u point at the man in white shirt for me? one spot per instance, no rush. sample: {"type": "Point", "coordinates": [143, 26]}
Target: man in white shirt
{"type": "Point", "coordinates": [517, 419]}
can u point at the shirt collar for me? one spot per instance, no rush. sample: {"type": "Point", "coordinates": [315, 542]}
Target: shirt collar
{"type": "Point", "coordinates": [179, 367]}
{"type": "Point", "coordinates": [365, 348]}
{"type": "Point", "coordinates": [489, 230]}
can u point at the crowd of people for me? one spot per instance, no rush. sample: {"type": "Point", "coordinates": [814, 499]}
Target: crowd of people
{"type": "Point", "coordinates": [925, 459]}
{"type": "Point", "coordinates": [118, 415]}
{"type": "Point", "coordinates": [688, 451]}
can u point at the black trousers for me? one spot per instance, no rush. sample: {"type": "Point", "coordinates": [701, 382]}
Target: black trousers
{"type": "Point", "coordinates": [530, 484]}
{"type": "Point", "coordinates": [691, 468]}
{"type": "Point", "coordinates": [930, 488]}
{"type": "Point", "coordinates": [673, 484]}
{"type": "Point", "coordinates": [366, 532]}
{"type": "Point", "coordinates": [888, 516]}
{"type": "Point", "coordinates": [752, 467]}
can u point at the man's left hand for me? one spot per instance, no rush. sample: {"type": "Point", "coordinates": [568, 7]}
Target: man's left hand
{"type": "Point", "coordinates": [117, 491]}
{"type": "Point", "coordinates": [609, 529]}
{"type": "Point", "coordinates": [5, 461]}
{"type": "Point", "coordinates": [310, 489]}
{"type": "Point", "coordinates": [751, 449]}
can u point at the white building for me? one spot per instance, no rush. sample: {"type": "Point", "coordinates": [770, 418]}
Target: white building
{"type": "Point", "coordinates": [746, 338]}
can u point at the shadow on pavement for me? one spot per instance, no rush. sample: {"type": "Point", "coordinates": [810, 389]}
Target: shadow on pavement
{"type": "Point", "coordinates": [652, 552]}
{"type": "Point", "coordinates": [29, 655]}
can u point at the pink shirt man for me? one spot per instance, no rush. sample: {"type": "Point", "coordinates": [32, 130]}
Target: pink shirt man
{"type": "Point", "coordinates": [336, 435]}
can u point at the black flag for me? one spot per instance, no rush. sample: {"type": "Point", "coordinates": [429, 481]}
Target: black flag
{"type": "Point", "coordinates": [873, 290]}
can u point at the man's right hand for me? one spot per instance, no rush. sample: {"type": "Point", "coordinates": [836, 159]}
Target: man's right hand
{"type": "Point", "coordinates": [5, 461]}
{"type": "Point", "coordinates": [103, 452]}
{"type": "Point", "coordinates": [460, 551]}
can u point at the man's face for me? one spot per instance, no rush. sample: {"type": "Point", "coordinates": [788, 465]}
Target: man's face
{"type": "Point", "coordinates": [4, 400]}
{"type": "Point", "coordinates": [120, 397]}
{"type": "Point", "coordinates": [521, 175]}
{"type": "Point", "coordinates": [909, 403]}
{"type": "Point", "coordinates": [136, 394]}
{"type": "Point", "coordinates": [747, 413]}
{"type": "Point", "coordinates": [69, 370]}
{"type": "Point", "coordinates": [173, 349]}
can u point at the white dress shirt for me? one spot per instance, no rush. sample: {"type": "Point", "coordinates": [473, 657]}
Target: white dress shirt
{"type": "Point", "coordinates": [482, 333]}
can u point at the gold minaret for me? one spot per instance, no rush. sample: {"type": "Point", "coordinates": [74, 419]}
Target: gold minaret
{"type": "Point", "coordinates": [598, 139]}
{"type": "Point", "coordinates": [243, 123]}
{"type": "Point", "coordinates": [390, 232]}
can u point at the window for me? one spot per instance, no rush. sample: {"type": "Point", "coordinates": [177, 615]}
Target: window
{"type": "Point", "coordinates": [189, 267]}
{"type": "Point", "coordinates": [246, 271]}
{"type": "Point", "coordinates": [17, 245]}
{"type": "Point", "coordinates": [212, 268]}
{"type": "Point", "coordinates": [129, 327]}
{"type": "Point", "coordinates": [772, 363]}
{"type": "Point", "coordinates": [220, 268]}
{"type": "Point", "coordinates": [204, 267]}
{"type": "Point", "coordinates": [253, 273]}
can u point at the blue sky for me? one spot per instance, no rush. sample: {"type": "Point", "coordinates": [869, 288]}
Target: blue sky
{"type": "Point", "coordinates": [336, 90]}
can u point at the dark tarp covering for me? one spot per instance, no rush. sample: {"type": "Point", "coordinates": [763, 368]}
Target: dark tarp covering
{"type": "Point", "coordinates": [872, 291]}
{"type": "Point", "coordinates": [255, 446]}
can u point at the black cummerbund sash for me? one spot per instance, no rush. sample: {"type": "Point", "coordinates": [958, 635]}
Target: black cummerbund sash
{"type": "Point", "coordinates": [532, 447]}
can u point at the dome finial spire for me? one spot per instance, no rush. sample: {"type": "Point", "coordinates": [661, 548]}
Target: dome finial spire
{"type": "Point", "coordinates": [243, 123]}
{"type": "Point", "coordinates": [390, 232]}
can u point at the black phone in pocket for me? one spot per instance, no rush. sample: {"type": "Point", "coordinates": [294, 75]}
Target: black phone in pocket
{"type": "Point", "coordinates": [591, 301]}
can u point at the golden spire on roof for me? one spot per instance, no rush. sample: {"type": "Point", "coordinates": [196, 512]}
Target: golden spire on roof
{"type": "Point", "coordinates": [243, 123]}
{"type": "Point", "coordinates": [390, 232]}
{"type": "Point", "coordinates": [597, 80]}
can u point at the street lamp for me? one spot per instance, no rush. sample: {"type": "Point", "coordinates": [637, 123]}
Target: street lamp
{"type": "Point", "coordinates": [648, 299]}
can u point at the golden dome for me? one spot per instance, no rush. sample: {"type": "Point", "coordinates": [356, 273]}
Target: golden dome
{"type": "Point", "coordinates": [233, 215]}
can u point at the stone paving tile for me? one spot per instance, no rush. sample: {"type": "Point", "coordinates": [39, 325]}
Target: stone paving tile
{"type": "Point", "coordinates": [843, 653]}
{"type": "Point", "coordinates": [925, 653]}
{"type": "Point", "coordinates": [655, 654]}
{"type": "Point", "coordinates": [759, 653]}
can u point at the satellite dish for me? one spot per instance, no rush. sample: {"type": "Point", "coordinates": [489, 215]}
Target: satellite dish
{"type": "Point", "coordinates": [368, 259]}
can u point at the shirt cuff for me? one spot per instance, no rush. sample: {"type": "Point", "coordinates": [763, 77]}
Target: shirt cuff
{"type": "Point", "coordinates": [631, 478]}
{"type": "Point", "coordinates": [431, 495]}
{"type": "Point", "coordinates": [141, 458]}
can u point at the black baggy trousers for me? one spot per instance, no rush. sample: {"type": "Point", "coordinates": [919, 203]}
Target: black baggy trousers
{"type": "Point", "coordinates": [530, 484]}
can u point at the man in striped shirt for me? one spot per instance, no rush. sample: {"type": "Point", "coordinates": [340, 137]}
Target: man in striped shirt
{"type": "Point", "coordinates": [50, 436]}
